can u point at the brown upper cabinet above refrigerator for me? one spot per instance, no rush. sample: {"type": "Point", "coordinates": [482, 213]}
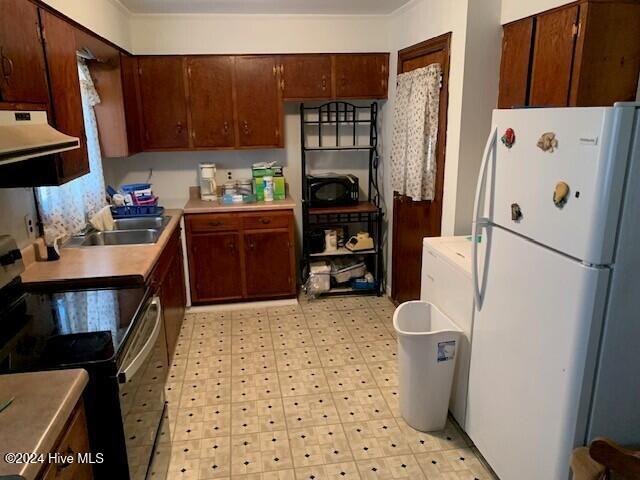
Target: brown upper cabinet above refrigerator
{"type": "Point", "coordinates": [210, 81]}
{"type": "Point", "coordinates": [164, 104]}
{"type": "Point", "coordinates": [586, 53]}
{"type": "Point", "coordinates": [24, 77]}
{"type": "Point", "coordinates": [361, 75]}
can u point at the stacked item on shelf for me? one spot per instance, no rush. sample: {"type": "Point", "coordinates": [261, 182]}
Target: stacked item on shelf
{"type": "Point", "coordinates": [340, 272]}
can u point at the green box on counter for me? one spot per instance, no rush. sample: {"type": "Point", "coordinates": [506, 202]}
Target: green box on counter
{"type": "Point", "coordinates": [279, 188]}
{"type": "Point", "coordinates": [273, 171]}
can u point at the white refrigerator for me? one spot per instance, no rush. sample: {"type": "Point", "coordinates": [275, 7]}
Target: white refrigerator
{"type": "Point", "coordinates": [555, 356]}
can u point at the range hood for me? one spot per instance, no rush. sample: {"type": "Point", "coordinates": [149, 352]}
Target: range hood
{"type": "Point", "coordinates": [26, 134]}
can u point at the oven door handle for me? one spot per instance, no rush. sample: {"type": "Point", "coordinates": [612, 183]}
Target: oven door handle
{"type": "Point", "coordinates": [130, 370]}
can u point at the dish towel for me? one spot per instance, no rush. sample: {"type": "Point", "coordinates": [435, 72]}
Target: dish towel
{"type": "Point", "coordinates": [102, 220]}
{"type": "Point", "coordinates": [415, 133]}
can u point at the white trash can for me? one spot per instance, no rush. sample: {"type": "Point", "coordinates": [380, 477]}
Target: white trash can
{"type": "Point", "coordinates": [427, 341]}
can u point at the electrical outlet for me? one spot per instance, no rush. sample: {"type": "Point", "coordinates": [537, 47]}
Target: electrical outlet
{"type": "Point", "coordinates": [30, 226]}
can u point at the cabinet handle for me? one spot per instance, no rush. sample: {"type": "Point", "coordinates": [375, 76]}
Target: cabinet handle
{"type": "Point", "coordinates": [65, 464]}
{"type": "Point", "coordinates": [7, 65]}
{"type": "Point", "coordinates": [232, 246]}
{"type": "Point", "coordinates": [282, 85]}
{"type": "Point", "coordinates": [281, 69]}
{"type": "Point", "coordinates": [265, 220]}
{"type": "Point", "coordinates": [252, 245]}
{"type": "Point", "coordinates": [179, 127]}
{"type": "Point", "coordinates": [324, 83]}
{"type": "Point", "coordinates": [275, 70]}
{"type": "Point", "coordinates": [245, 128]}
{"type": "Point", "coordinates": [225, 127]}
{"type": "Point", "coordinates": [215, 223]}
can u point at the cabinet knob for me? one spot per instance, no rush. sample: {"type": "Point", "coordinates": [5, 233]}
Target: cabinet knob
{"type": "Point", "coordinates": [215, 223]}
{"type": "Point", "coordinates": [179, 127]}
{"type": "Point", "coordinates": [324, 83]}
{"type": "Point", "coordinates": [265, 220]}
{"type": "Point", "coordinates": [245, 128]}
{"type": "Point", "coordinates": [7, 65]}
{"type": "Point", "coordinates": [225, 127]}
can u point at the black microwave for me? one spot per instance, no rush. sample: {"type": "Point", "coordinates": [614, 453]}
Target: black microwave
{"type": "Point", "coordinates": [331, 190]}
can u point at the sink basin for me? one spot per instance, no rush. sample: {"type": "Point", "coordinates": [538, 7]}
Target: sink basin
{"type": "Point", "coordinates": [127, 231]}
{"type": "Point", "coordinates": [121, 237]}
{"type": "Point", "coordinates": [141, 223]}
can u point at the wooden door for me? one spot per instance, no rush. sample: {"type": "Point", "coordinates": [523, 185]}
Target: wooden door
{"type": "Point", "coordinates": [268, 263]}
{"type": "Point", "coordinates": [24, 78]}
{"type": "Point", "coordinates": [211, 101]}
{"type": "Point", "coordinates": [361, 75]}
{"type": "Point", "coordinates": [164, 104]}
{"type": "Point", "coordinates": [517, 40]}
{"type": "Point", "coordinates": [215, 266]}
{"type": "Point", "coordinates": [306, 77]}
{"type": "Point", "coordinates": [62, 64]}
{"type": "Point", "coordinates": [412, 221]}
{"type": "Point", "coordinates": [258, 102]}
{"type": "Point", "coordinates": [553, 56]}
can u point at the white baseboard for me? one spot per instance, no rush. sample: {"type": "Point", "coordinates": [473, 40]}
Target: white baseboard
{"type": "Point", "coordinates": [243, 306]}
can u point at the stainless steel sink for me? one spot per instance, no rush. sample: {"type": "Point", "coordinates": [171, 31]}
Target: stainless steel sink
{"type": "Point", "coordinates": [141, 223]}
{"type": "Point", "coordinates": [127, 231]}
{"type": "Point", "coordinates": [121, 237]}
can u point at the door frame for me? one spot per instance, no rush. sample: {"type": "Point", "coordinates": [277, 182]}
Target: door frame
{"type": "Point", "coordinates": [427, 47]}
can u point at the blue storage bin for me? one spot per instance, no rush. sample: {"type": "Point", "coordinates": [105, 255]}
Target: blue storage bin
{"type": "Point", "coordinates": [137, 211]}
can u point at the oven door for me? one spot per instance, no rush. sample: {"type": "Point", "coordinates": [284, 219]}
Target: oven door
{"type": "Point", "coordinates": [141, 381]}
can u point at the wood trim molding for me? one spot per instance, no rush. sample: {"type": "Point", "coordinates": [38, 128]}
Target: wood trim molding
{"type": "Point", "coordinates": [442, 42]}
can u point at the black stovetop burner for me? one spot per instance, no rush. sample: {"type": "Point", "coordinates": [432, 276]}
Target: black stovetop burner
{"type": "Point", "coordinates": [44, 330]}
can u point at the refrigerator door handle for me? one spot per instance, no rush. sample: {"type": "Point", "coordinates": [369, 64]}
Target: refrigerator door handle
{"type": "Point", "coordinates": [478, 220]}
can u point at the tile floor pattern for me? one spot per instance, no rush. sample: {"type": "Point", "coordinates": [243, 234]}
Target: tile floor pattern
{"type": "Point", "coordinates": [299, 392]}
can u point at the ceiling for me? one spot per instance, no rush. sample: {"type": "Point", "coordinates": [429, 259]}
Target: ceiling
{"type": "Point", "coordinates": [329, 7]}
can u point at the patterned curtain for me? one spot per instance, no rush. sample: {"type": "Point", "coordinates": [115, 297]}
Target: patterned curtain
{"type": "Point", "coordinates": [415, 133]}
{"type": "Point", "coordinates": [65, 209]}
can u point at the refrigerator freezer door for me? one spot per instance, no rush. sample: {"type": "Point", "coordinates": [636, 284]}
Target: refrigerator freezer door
{"type": "Point", "coordinates": [590, 158]}
{"type": "Point", "coordinates": [533, 339]}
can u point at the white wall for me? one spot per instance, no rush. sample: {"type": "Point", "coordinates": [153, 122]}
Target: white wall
{"type": "Point", "coordinates": [516, 9]}
{"type": "Point", "coordinates": [107, 18]}
{"type": "Point", "coordinates": [215, 33]}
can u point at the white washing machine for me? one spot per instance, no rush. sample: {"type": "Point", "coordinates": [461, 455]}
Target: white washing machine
{"type": "Point", "coordinates": [446, 283]}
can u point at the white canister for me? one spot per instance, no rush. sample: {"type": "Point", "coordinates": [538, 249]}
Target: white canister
{"type": "Point", "coordinates": [267, 184]}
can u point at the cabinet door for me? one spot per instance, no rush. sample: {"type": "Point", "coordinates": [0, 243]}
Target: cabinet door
{"type": "Point", "coordinates": [173, 299]}
{"type": "Point", "coordinates": [131, 100]}
{"type": "Point", "coordinates": [62, 64]}
{"type": "Point", "coordinates": [258, 102]}
{"type": "Point", "coordinates": [552, 57]}
{"type": "Point", "coordinates": [164, 104]}
{"type": "Point", "coordinates": [211, 101]}
{"type": "Point", "coordinates": [306, 77]}
{"type": "Point", "coordinates": [361, 75]}
{"type": "Point", "coordinates": [514, 64]}
{"type": "Point", "coordinates": [268, 263]}
{"type": "Point", "coordinates": [24, 78]}
{"type": "Point", "coordinates": [215, 266]}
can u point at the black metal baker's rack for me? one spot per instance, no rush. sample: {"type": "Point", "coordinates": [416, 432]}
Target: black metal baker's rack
{"type": "Point", "coordinates": [339, 127]}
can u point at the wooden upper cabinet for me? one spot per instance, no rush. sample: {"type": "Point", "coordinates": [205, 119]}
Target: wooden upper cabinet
{"type": "Point", "coordinates": [258, 102]}
{"type": "Point", "coordinates": [211, 101]}
{"type": "Point", "coordinates": [514, 65]}
{"type": "Point", "coordinates": [607, 59]}
{"type": "Point", "coordinates": [131, 102]}
{"type": "Point", "coordinates": [62, 64]}
{"type": "Point", "coordinates": [24, 78]}
{"type": "Point", "coordinates": [306, 77]}
{"type": "Point", "coordinates": [555, 36]}
{"type": "Point", "coordinates": [361, 75]}
{"type": "Point", "coordinates": [163, 102]}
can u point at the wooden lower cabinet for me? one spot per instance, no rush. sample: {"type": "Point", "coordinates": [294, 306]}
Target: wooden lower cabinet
{"type": "Point", "coordinates": [167, 281]}
{"type": "Point", "coordinates": [241, 256]}
{"type": "Point", "coordinates": [215, 266]}
{"type": "Point", "coordinates": [74, 440]}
